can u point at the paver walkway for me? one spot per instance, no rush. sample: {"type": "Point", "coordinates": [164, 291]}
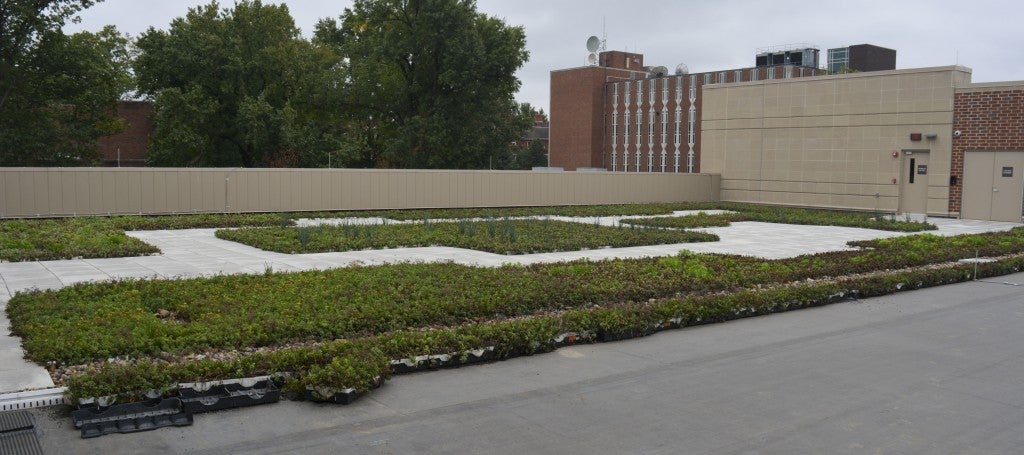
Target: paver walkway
{"type": "Point", "coordinates": [197, 252]}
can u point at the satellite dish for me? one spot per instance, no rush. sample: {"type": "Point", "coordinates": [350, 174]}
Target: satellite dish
{"type": "Point", "coordinates": [593, 43]}
{"type": "Point", "coordinates": [592, 59]}
{"type": "Point", "coordinates": [682, 69]}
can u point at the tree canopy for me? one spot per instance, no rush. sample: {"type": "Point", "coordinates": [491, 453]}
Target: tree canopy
{"type": "Point", "coordinates": [430, 82]}
{"type": "Point", "coordinates": [226, 83]}
{"type": "Point", "coordinates": [389, 83]}
{"type": "Point", "coordinates": [57, 92]}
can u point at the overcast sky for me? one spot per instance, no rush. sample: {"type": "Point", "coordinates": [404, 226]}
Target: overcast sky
{"type": "Point", "coordinates": [985, 35]}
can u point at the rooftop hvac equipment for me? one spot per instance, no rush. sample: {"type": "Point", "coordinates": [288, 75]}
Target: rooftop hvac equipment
{"type": "Point", "coordinates": [682, 69]}
{"type": "Point", "coordinates": [656, 71]}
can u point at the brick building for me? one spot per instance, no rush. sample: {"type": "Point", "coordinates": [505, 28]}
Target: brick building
{"type": "Point", "coordinates": [128, 148]}
{"type": "Point", "coordinates": [622, 116]}
{"type": "Point", "coordinates": [988, 150]}
{"type": "Point", "coordinates": [921, 141]}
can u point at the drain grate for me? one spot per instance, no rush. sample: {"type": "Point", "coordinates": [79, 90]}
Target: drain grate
{"type": "Point", "coordinates": [18, 434]}
{"type": "Point", "coordinates": [32, 399]}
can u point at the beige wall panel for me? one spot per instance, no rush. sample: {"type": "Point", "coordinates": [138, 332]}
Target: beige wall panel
{"type": "Point", "coordinates": [62, 192]}
{"type": "Point", "coordinates": [829, 137]}
{"type": "Point", "coordinates": [24, 191]}
{"type": "Point", "coordinates": [13, 201]}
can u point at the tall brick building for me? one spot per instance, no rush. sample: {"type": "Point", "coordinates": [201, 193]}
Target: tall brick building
{"type": "Point", "coordinates": [622, 116]}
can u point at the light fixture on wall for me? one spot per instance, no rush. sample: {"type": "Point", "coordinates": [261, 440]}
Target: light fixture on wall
{"type": "Point", "coordinates": [930, 136]}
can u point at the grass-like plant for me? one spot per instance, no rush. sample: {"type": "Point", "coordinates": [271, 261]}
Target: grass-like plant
{"type": "Point", "coordinates": [504, 236]}
{"type": "Point", "coordinates": [779, 214]}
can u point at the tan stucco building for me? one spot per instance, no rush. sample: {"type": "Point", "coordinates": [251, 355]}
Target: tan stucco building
{"type": "Point", "coordinates": [924, 141]}
{"type": "Point", "coordinates": [844, 141]}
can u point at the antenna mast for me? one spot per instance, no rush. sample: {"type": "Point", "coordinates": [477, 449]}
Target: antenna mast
{"type": "Point", "coordinates": [604, 34]}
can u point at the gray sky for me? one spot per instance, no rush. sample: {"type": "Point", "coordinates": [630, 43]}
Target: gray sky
{"type": "Point", "coordinates": [984, 35]}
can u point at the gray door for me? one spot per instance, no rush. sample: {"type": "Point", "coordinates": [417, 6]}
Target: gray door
{"type": "Point", "coordinates": [914, 182]}
{"type": "Point", "coordinates": [993, 186]}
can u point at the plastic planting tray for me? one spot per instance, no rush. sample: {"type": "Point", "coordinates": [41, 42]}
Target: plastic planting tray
{"type": "Point", "coordinates": [215, 396]}
{"type": "Point", "coordinates": [130, 417]}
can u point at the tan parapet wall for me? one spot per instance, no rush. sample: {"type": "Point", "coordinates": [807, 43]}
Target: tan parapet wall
{"type": "Point", "coordinates": [829, 141]}
{"type": "Point", "coordinates": [57, 192]}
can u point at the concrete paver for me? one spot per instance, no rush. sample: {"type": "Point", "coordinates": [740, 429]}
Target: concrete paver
{"type": "Point", "coordinates": [198, 252]}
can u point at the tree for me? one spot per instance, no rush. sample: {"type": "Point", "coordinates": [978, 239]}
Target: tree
{"type": "Point", "coordinates": [536, 155]}
{"type": "Point", "coordinates": [429, 83]}
{"type": "Point", "coordinates": [234, 87]}
{"type": "Point", "coordinates": [57, 92]}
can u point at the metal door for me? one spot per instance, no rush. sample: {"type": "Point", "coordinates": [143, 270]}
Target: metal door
{"type": "Point", "coordinates": [914, 184]}
{"type": "Point", "coordinates": [993, 186]}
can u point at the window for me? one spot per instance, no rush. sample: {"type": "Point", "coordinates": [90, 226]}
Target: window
{"type": "Point", "coordinates": [625, 127]}
{"type": "Point", "coordinates": [707, 78]}
{"type": "Point", "coordinates": [737, 76]}
{"type": "Point", "coordinates": [650, 128]}
{"type": "Point", "coordinates": [664, 125]}
{"type": "Point", "coordinates": [627, 95]}
{"type": "Point", "coordinates": [693, 88]}
{"type": "Point", "coordinates": [691, 133]}
{"type": "Point", "coordinates": [721, 77]}
{"type": "Point", "coordinates": [753, 74]}
{"type": "Point", "coordinates": [679, 122]}
{"type": "Point", "coordinates": [639, 128]}
{"type": "Point", "coordinates": [838, 59]}
{"type": "Point", "coordinates": [789, 72]}
{"type": "Point", "coordinates": [679, 89]}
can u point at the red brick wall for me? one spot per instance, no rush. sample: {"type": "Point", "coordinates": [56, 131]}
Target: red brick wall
{"type": "Point", "coordinates": [619, 59]}
{"type": "Point", "coordinates": [987, 120]}
{"type": "Point", "coordinates": [577, 102]}
{"type": "Point", "coordinates": [133, 141]}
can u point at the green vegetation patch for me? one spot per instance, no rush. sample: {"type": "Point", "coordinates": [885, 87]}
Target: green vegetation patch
{"type": "Point", "coordinates": [100, 237]}
{"type": "Point", "coordinates": [359, 362]}
{"type": "Point", "coordinates": [779, 214]}
{"type": "Point", "coordinates": [28, 240]}
{"type": "Point", "coordinates": [92, 321]}
{"type": "Point", "coordinates": [104, 237]}
{"type": "Point", "coordinates": [503, 236]}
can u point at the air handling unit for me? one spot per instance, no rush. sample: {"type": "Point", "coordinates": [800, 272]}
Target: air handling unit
{"type": "Point", "coordinates": [789, 54]}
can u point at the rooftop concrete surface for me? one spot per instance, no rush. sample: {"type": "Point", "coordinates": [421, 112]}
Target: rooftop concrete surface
{"type": "Point", "coordinates": [933, 371]}
{"type": "Point", "coordinates": [197, 252]}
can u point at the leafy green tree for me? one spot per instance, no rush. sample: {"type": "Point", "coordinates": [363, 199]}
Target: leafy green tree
{"type": "Point", "coordinates": [428, 83]}
{"type": "Point", "coordinates": [57, 92]}
{"type": "Point", "coordinates": [535, 155]}
{"type": "Point", "coordinates": [234, 87]}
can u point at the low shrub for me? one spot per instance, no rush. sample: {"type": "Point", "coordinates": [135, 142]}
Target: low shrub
{"type": "Point", "coordinates": [779, 214]}
{"type": "Point", "coordinates": [359, 363]}
{"type": "Point", "coordinates": [503, 236]}
{"type": "Point", "coordinates": [138, 317]}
